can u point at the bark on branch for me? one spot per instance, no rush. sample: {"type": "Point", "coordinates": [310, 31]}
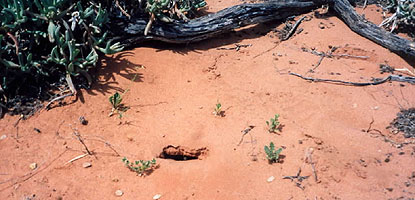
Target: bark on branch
{"type": "Point", "coordinates": [132, 32]}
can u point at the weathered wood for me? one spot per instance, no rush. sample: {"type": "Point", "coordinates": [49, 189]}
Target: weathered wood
{"type": "Point", "coordinates": [371, 31]}
{"type": "Point", "coordinates": [132, 32]}
{"type": "Point", "coordinates": [210, 25]}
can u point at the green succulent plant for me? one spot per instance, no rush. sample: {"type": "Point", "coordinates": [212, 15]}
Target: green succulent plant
{"type": "Point", "coordinates": [139, 166]}
{"type": "Point", "coordinates": [273, 124]}
{"type": "Point", "coordinates": [403, 13]}
{"type": "Point", "coordinates": [273, 155]}
{"type": "Point", "coordinates": [42, 37]}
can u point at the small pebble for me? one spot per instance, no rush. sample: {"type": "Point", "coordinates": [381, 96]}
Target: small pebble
{"type": "Point", "coordinates": [86, 164]}
{"type": "Point", "coordinates": [33, 166]}
{"type": "Point", "coordinates": [387, 160]}
{"type": "Point", "coordinates": [3, 137]}
{"type": "Point", "coordinates": [157, 196]}
{"type": "Point", "coordinates": [407, 184]}
{"type": "Point", "coordinates": [270, 179]}
{"type": "Point", "coordinates": [83, 120]}
{"type": "Point", "coordinates": [389, 189]}
{"type": "Point", "coordinates": [119, 193]}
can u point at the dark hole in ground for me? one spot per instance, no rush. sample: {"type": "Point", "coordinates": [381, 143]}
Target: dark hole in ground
{"type": "Point", "coordinates": [181, 153]}
{"type": "Point", "coordinates": [405, 122]}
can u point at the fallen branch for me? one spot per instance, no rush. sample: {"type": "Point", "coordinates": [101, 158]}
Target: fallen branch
{"type": "Point", "coordinates": [371, 31]}
{"type": "Point", "coordinates": [130, 32]}
{"type": "Point", "coordinates": [375, 82]}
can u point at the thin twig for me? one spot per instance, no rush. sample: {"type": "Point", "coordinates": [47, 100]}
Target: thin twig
{"type": "Point", "coordinates": [322, 56]}
{"type": "Point", "coordinates": [29, 175]}
{"type": "Point", "coordinates": [297, 178]}
{"type": "Point", "coordinates": [244, 132]}
{"type": "Point", "coordinates": [149, 24]}
{"type": "Point", "coordinates": [16, 44]}
{"type": "Point", "coordinates": [340, 81]}
{"type": "Point", "coordinates": [109, 145]}
{"type": "Point", "coordinates": [266, 51]}
{"type": "Point", "coordinates": [375, 82]}
{"type": "Point", "coordinates": [365, 4]}
{"type": "Point", "coordinates": [76, 158]}
{"type": "Point", "coordinates": [308, 155]}
{"type": "Point", "coordinates": [349, 56]}
{"type": "Point", "coordinates": [237, 47]}
{"type": "Point", "coordinates": [58, 98]}
{"type": "Point", "coordinates": [293, 28]}
{"type": "Point", "coordinates": [117, 3]}
{"type": "Point", "coordinates": [76, 133]}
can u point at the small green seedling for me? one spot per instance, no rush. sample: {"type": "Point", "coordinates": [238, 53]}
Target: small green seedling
{"type": "Point", "coordinates": [140, 166]}
{"type": "Point", "coordinates": [273, 155]}
{"type": "Point", "coordinates": [274, 124]}
{"type": "Point", "coordinates": [117, 106]}
{"type": "Point", "coordinates": [218, 110]}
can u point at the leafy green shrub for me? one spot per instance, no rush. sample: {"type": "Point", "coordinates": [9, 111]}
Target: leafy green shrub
{"type": "Point", "coordinates": [140, 166]}
{"type": "Point", "coordinates": [273, 155]}
{"type": "Point", "coordinates": [42, 38]}
{"type": "Point", "coordinates": [273, 124]}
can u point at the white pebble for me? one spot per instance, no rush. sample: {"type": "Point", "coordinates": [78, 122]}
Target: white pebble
{"type": "Point", "coordinates": [86, 164]}
{"type": "Point", "coordinates": [119, 193]}
{"type": "Point", "coordinates": [270, 179]}
{"type": "Point", "coordinates": [3, 137]}
{"type": "Point", "coordinates": [33, 166]}
{"type": "Point", "coordinates": [157, 196]}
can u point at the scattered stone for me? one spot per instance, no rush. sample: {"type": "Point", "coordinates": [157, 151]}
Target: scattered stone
{"type": "Point", "coordinates": [389, 189]}
{"type": "Point", "coordinates": [270, 179]}
{"type": "Point", "coordinates": [83, 120]}
{"type": "Point", "coordinates": [401, 153]}
{"type": "Point", "coordinates": [119, 193]}
{"type": "Point", "coordinates": [37, 130]}
{"type": "Point", "coordinates": [387, 160]}
{"type": "Point", "coordinates": [407, 184]}
{"type": "Point", "coordinates": [376, 108]}
{"type": "Point", "coordinates": [300, 142]}
{"type": "Point", "coordinates": [3, 137]}
{"type": "Point", "coordinates": [86, 164]}
{"type": "Point", "coordinates": [157, 196]}
{"type": "Point", "coordinates": [33, 166]}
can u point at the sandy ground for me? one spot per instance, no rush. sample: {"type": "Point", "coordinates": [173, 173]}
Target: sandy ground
{"type": "Point", "coordinates": [171, 102]}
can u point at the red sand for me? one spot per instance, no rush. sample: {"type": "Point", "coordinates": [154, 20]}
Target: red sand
{"type": "Point", "coordinates": [171, 103]}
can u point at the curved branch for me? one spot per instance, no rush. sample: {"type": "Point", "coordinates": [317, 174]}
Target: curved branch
{"type": "Point", "coordinates": [132, 32]}
{"type": "Point", "coordinates": [372, 32]}
{"type": "Point", "coordinates": [210, 25]}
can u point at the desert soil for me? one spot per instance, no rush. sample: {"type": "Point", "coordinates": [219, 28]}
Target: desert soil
{"type": "Point", "coordinates": [172, 92]}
